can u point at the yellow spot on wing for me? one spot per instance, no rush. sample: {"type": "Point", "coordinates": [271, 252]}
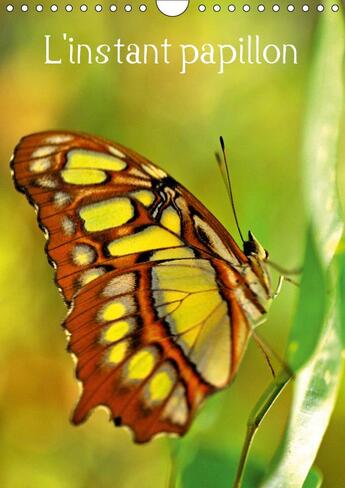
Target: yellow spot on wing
{"type": "Point", "coordinates": [61, 199]}
{"type": "Point", "coordinates": [141, 364]}
{"type": "Point", "coordinates": [175, 253]}
{"type": "Point", "coordinates": [90, 275]}
{"type": "Point", "coordinates": [117, 353]}
{"type": "Point", "coordinates": [58, 138]}
{"type": "Point", "coordinates": [117, 331]}
{"type": "Point", "coordinates": [144, 196]}
{"type": "Point", "coordinates": [106, 214]}
{"type": "Point", "coordinates": [85, 167]}
{"type": "Point", "coordinates": [83, 254]}
{"type": "Point", "coordinates": [121, 284]}
{"type": "Point", "coordinates": [81, 158]}
{"type": "Point", "coordinates": [43, 151]}
{"type": "Point", "coordinates": [39, 165]}
{"type": "Point", "coordinates": [160, 386]}
{"type": "Point", "coordinates": [113, 311]}
{"type": "Point", "coordinates": [76, 176]}
{"type": "Point", "coordinates": [116, 152]}
{"type": "Point", "coordinates": [171, 220]}
{"type": "Point", "coordinates": [46, 182]}
{"type": "Point", "coordinates": [152, 237]}
{"type": "Point", "coordinates": [154, 170]}
{"type": "Point", "coordinates": [68, 226]}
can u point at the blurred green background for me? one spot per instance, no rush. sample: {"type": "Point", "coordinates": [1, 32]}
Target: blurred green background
{"type": "Point", "coordinates": [175, 121]}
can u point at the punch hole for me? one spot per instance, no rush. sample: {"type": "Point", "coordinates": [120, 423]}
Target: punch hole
{"type": "Point", "coordinates": [172, 8]}
{"type": "Point", "coordinates": [112, 8]}
{"type": "Point", "coordinates": [231, 8]}
{"type": "Point", "coordinates": [217, 7]}
{"type": "Point", "coordinates": [142, 7]}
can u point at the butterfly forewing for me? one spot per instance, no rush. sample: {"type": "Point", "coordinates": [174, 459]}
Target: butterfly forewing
{"type": "Point", "coordinates": [57, 173]}
{"type": "Point", "coordinates": [159, 293]}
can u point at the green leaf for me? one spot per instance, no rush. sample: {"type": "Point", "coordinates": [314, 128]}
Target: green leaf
{"type": "Point", "coordinates": [341, 286]}
{"type": "Point", "coordinates": [314, 398]}
{"type": "Point", "coordinates": [211, 468]}
{"type": "Point", "coordinates": [314, 479]}
{"type": "Point", "coordinates": [319, 152]}
{"type": "Point", "coordinates": [311, 308]}
{"type": "Point", "coordinates": [314, 351]}
{"type": "Point", "coordinates": [315, 347]}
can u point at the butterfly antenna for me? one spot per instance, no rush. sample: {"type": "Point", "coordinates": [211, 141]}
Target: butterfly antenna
{"type": "Point", "coordinates": [224, 169]}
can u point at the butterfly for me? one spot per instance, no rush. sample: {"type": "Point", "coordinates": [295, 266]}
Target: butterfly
{"type": "Point", "coordinates": [161, 300]}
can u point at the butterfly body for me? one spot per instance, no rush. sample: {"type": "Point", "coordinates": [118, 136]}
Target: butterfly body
{"type": "Point", "coordinates": [161, 299]}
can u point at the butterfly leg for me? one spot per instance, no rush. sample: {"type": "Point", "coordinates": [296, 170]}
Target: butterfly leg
{"type": "Point", "coordinates": [279, 287]}
{"type": "Point", "coordinates": [257, 415]}
{"type": "Point", "coordinates": [281, 280]}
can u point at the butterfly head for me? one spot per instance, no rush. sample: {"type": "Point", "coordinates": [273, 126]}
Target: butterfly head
{"type": "Point", "coordinates": [257, 258]}
{"type": "Point", "coordinates": [252, 247]}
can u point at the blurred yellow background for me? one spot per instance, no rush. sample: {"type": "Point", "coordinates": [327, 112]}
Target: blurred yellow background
{"type": "Point", "coordinates": [175, 121]}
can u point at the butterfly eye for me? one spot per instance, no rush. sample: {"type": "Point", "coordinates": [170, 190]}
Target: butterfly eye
{"type": "Point", "coordinates": [250, 248]}
{"type": "Point", "coordinates": [267, 255]}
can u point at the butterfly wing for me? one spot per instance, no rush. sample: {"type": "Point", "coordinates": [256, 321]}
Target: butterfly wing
{"type": "Point", "coordinates": [151, 277]}
{"type": "Point", "coordinates": [61, 173]}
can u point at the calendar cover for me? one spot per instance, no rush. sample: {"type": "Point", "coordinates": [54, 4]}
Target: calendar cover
{"type": "Point", "coordinates": [172, 254]}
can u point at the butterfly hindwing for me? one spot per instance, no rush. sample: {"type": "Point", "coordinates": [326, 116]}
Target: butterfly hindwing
{"type": "Point", "coordinates": [157, 320]}
{"type": "Point", "coordinates": [126, 359]}
{"type": "Point", "coordinates": [139, 356]}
